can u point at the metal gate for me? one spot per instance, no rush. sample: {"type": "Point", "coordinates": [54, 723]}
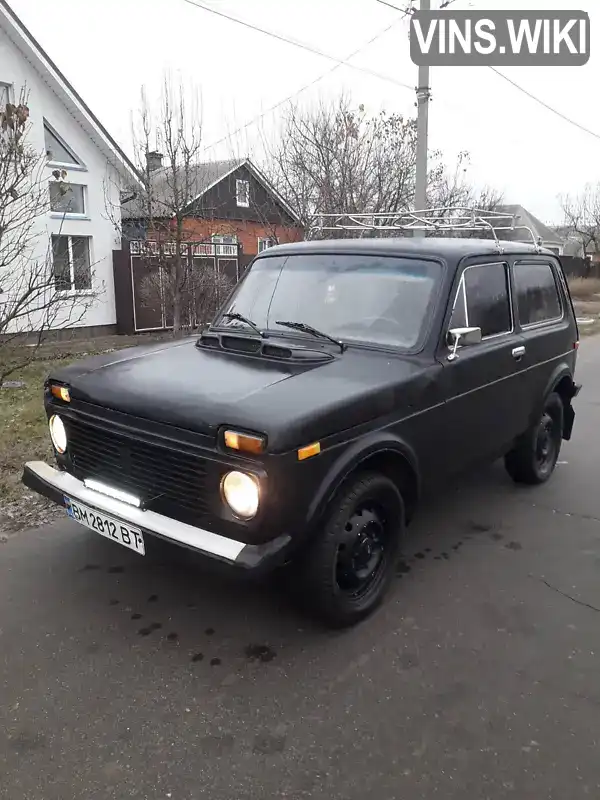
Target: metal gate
{"type": "Point", "coordinates": [149, 273]}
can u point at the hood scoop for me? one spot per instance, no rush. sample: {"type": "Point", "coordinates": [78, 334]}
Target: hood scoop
{"type": "Point", "coordinates": [253, 346]}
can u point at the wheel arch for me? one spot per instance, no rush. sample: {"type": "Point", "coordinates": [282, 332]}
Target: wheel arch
{"type": "Point", "coordinates": [389, 456]}
{"type": "Point", "coordinates": [561, 381]}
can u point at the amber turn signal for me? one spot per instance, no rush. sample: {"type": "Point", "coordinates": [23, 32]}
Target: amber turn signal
{"type": "Point", "coordinates": [61, 392]}
{"type": "Point", "coordinates": [309, 451]}
{"type": "Point", "coordinates": [244, 442]}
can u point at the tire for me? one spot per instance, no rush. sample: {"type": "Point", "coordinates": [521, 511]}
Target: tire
{"type": "Point", "coordinates": [365, 522]}
{"type": "Point", "coordinates": [533, 459]}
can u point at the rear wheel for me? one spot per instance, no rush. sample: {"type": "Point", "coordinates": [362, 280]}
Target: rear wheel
{"type": "Point", "coordinates": [347, 569]}
{"type": "Point", "coordinates": [533, 459]}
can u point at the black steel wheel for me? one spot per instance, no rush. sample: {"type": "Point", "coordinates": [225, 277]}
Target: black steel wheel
{"type": "Point", "coordinates": [347, 569]}
{"type": "Point", "coordinates": [361, 554]}
{"type": "Point", "coordinates": [533, 459]}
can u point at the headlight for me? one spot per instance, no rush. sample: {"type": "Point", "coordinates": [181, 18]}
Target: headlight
{"type": "Point", "coordinates": [58, 434]}
{"type": "Point", "coordinates": [241, 492]}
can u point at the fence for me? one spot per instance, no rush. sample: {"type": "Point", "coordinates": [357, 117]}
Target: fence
{"type": "Point", "coordinates": [141, 276]}
{"type": "Point", "coordinates": [575, 267]}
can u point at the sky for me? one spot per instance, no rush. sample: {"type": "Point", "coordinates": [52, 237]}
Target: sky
{"type": "Point", "coordinates": [109, 49]}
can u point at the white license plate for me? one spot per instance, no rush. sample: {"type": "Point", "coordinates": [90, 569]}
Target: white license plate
{"type": "Point", "coordinates": [106, 526]}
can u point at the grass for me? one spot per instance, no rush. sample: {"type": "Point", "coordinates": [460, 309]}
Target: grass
{"type": "Point", "coordinates": [24, 428]}
{"type": "Point", "coordinates": [584, 288]}
{"type": "Point", "coordinates": [586, 299]}
{"type": "Point", "coordinates": [23, 419]}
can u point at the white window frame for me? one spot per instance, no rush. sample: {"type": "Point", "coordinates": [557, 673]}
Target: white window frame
{"type": "Point", "coordinates": [219, 238]}
{"type": "Point", "coordinates": [72, 290]}
{"type": "Point", "coordinates": [9, 90]}
{"type": "Point", "coordinates": [223, 247]}
{"type": "Point", "coordinates": [78, 165]}
{"type": "Point", "coordinates": [238, 184]}
{"type": "Point", "coordinates": [72, 214]}
{"type": "Point", "coordinates": [271, 242]}
{"type": "Point", "coordinates": [463, 289]}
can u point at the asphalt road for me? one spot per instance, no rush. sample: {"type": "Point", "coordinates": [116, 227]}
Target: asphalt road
{"type": "Point", "coordinates": [123, 676]}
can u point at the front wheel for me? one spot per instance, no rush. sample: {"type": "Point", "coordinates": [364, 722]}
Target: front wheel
{"type": "Point", "coordinates": [347, 569]}
{"type": "Point", "coordinates": [533, 459]}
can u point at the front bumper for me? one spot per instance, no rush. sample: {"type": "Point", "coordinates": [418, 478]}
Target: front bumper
{"type": "Point", "coordinates": [54, 485]}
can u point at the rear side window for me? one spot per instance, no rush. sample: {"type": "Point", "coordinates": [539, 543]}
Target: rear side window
{"type": "Point", "coordinates": [483, 300]}
{"type": "Point", "coordinates": [537, 293]}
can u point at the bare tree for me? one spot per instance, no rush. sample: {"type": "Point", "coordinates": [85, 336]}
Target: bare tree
{"type": "Point", "coordinates": [334, 159]}
{"type": "Point", "coordinates": [450, 187]}
{"type": "Point", "coordinates": [582, 217]}
{"type": "Point", "coordinates": [168, 147]}
{"type": "Point", "coordinates": [34, 295]}
{"type": "Point", "coordinates": [206, 290]}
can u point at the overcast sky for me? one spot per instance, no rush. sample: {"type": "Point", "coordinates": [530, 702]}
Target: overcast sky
{"type": "Point", "coordinates": [110, 48]}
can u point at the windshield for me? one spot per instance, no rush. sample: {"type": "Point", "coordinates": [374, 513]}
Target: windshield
{"type": "Point", "coordinates": [366, 298]}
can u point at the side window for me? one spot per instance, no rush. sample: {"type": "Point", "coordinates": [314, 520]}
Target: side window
{"type": "Point", "coordinates": [538, 299]}
{"type": "Point", "coordinates": [483, 300]}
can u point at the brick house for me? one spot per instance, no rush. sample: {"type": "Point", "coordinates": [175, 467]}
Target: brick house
{"type": "Point", "coordinates": [235, 214]}
{"type": "Point", "coordinates": [234, 204]}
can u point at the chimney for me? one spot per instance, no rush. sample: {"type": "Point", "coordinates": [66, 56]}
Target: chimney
{"type": "Point", "coordinates": [153, 161]}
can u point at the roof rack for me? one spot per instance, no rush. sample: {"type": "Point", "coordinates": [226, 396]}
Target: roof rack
{"type": "Point", "coordinates": [455, 219]}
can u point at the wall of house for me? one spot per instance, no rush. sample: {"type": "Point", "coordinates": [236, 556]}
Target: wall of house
{"type": "Point", "coordinates": [219, 202]}
{"type": "Point", "coordinates": [555, 247]}
{"type": "Point", "coordinates": [101, 183]}
{"type": "Point", "coordinates": [248, 232]}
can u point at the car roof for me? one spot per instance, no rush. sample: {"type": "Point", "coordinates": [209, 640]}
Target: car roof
{"type": "Point", "coordinates": [437, 247]}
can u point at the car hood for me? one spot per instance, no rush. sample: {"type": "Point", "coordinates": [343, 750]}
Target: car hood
{"type": "Point", "coordinates": [200, 389]}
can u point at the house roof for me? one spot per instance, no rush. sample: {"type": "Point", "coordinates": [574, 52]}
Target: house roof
{"type": "Point", "coordinates": [573, 241]}
{"type": "Point", "coordinates": [202, 176]}
{"type": "Point", "coordinates": [526, 218]}
{"type": "Point", "coordinates": [20, 35]}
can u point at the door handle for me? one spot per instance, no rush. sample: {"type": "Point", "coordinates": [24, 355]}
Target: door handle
{"type": "Point", "coordinates": [518, 352]}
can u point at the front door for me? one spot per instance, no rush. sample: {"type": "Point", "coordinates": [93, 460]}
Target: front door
{"type": "Point", "coordinates": [484, 401]}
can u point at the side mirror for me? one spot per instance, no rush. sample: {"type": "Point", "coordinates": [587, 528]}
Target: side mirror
{"type": "Point", "coordinates": [462, 337]}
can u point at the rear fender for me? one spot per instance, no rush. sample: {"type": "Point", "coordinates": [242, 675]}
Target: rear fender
{"type": "Point", "coordinates": [561, 376]}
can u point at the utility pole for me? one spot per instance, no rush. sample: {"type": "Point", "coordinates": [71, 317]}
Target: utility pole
{"type": "Point", "coordinates": [423, 96]}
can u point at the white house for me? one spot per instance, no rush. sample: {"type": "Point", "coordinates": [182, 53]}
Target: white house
{"type": "Point", "coordinates": [98, 170]}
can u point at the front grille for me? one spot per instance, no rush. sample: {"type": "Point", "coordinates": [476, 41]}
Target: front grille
{"type": "Point", "coordinates": [168, 481]}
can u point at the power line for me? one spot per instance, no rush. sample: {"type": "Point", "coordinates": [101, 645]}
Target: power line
{"type": "Point", "coordinates": [301, 45]}
{"type": "Point", "coordinates": [545, 105]}
{"type": "Point", "coordinates": [529, 94]}
{"type": "Point", "coordinates": [406, 12]}
{"type": "Point", "coordinates": [409, 10]}
{"type": "Point", "coordinates": [305, 87]}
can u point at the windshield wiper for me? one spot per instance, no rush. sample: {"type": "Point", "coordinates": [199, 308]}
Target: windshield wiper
{"type": "Point", "coordinates": [302, 326]}
{"type": "Point", "coordinates": [246, 321]}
